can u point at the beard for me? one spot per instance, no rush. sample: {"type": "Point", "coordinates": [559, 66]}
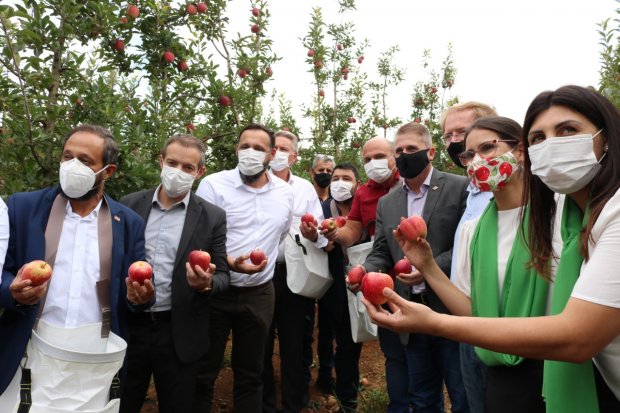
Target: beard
{"type": "Point", "coordinates": [88, 195]}
{"type": "Point", "coordinates": [250, 179]}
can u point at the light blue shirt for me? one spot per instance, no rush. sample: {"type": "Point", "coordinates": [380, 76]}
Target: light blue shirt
{"type": "Point", "coordinates": [415, 206]}
{"type": "Point", "coordinates": [477, 201]}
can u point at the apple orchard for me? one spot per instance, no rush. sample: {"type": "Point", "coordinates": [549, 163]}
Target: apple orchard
{"type": "Point", "coordinates": [147, 69]}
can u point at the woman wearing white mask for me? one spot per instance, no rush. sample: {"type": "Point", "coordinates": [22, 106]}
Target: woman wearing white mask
{"type": "Point", "coordinates": [572, 143]}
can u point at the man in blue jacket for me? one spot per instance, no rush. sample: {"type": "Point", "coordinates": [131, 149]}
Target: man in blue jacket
{"type": "Point", "coordinates": [77, 209]}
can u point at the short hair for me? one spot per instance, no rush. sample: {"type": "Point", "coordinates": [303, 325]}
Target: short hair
{"type": "Point", "coordinates": [322, 158]}
{"type": "Point", "coordinates": [349, 167]}
{"type": "Point", "coordinates": [258, 126]}
{"type": "Point", "coordinates": [110, 148]}
{"type": "Point", "coordinates": [506, 128]}
{"type": "Point", "coordinates": [480, 110]}
{"type": "Point", "coordinates": [291, 136]}
{"type": "Point", "coordinates": [187, 141]}
{"type": "Point", "coordinates": [418, 129]}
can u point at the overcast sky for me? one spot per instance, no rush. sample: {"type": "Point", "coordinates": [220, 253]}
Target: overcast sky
{"type": "Point", "coordinates": [505, 53]}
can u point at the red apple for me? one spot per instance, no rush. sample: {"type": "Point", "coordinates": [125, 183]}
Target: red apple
{"type": "Point", "coordinates": [318, 64]}
{"type": "Point", "coordinates": [328, 224]}
{"type": "Point", "coordinates": [190, 127]}
{"type": "Point", "coordinates": [168, 56]}
{"type": "Point", "coordinates": [360, 59]}
{"type": "Point", "coordinates": [255, 11]}
{"type": "Point", "coordinates": [123, 20]}
{"type": "Point", "coordinates": [255, 28]}
{"type": "Point", "coordinates": [351, 119]}
{"type": "Point", "coordinates": [309, 219]}
{"type": "Point", "coordinates": [200, 258]}
{"type": "Point", "coordinates": [413, 228]}
{"type": "Point", "coordinates": [140, 271]}
{"type": "Point", "coordinates": [321, 93]}
{"type": "Point", "coordinates": [402, 267]}
{"type": "Point", "coordinates": [133, 11]}
{"type": "Point", "coordinates": [242, 73]}
{"type": "Point", "coordinates": [341, 221]}
{"type": "Point", "coordinates": [339, 46]}
{"type": "Point", "coordinates": [257, 256]}
{"type": "Point", "coordinates": [345, 70]}
{"type": "Point", "coordinates": [224, 100]}
{"type": "Point", "coordinates": [191, 9]}
{"type": "Point", "coordinates": [373, 285]}
{"type": "Point", "coordinates": [269, 72]}
{"type": "Point", "coordinates": [183, 66]}
{"type": "Point", "coordinates": [202, 8]}
{"type": "Point", "coordinates": [310, 52]}
{"type": "Point", "coordinates": [356, 274]}
{"type": "Point", "coordinates": [119, 46]}
{"type": "Point", "coordinates": [37, 271]}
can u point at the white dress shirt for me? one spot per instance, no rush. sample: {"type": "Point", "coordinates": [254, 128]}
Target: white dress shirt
{"type": "Point", "coordinates": [4, 232]}
{"type": "Point", "coordinates": [255, 218]}
{"type": "Point", "coordinates": [72, 293]}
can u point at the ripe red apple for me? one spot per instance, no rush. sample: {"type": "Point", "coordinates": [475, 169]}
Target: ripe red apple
{"type": "Point", "coordinates": [255, 28]}
{"type": "Point", "coordinates": [255, 11]}
{"type": "Point", "coordinates": [168, 56]}
{"type": "Point", "coordinates": [341, 221]}
{"type": "Point", "coordinates": [140, 271]}
{"type": "Point", "coordinates": [345, 77]}
{"type": "Point", "coordinates": [224, 100]}
{"type": "Point", "coordinates": [310, 52]}
{"type": "Point", "coordinates": [356, 274]}
{"type": "Point", "coordinates": [417, 120]}
{"type": "Point", "coordinates": [191, 9]}
{"type": "Point", "coordinates": [133, 11]}
{"type": "Point", "coordinates": [123, 20]}
{"type": "Point", "coordinates": [373, 285]}
{"type": "Point", "coordinates": [242, 73]}
{"type": "Point", "coordinates": [183, 66]}
{"type": "Point", "coordinates": [345, 70]}
{"type": "Point", "coordinates": [309, 219]}
{"type": "Point", "coordinates": [402, 267]}
{"type": "Point", "coordinates": [200, 258]}
{"type": "Point", "coordinates": [328, 224]}
{"type": "Point", "coordinates": [190, 127]}
{"type": "Point", "coordinates": [360, 59]}
{"type": "Point", "coordinates": [119, 46]}
{"type": "Point", "coordinates": [269, 72]}
{"type": "Point", "coordinates": [202, 8]}
{"type": "Point", "coordinates": [339, 46]}
{"type": "Point", "coordinates": [257, 256]}
{"type": "Point", "coordinates": [318, 64]}
{"type": "Point", "coordinates": [413, 228]}
{"type": "Point", "coordinates": [321, 93]}
{"type": "Point", "coordinates": [37, 271]}
{"type": "Point", "coordinates": [351, 119]}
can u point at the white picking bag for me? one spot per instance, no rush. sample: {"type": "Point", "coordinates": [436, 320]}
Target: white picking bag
{"type": "Point", "coordinates": [362, 328]}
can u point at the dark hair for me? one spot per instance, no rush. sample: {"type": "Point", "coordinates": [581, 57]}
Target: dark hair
{"type": "Point", "coordinates": [604, 115]}
{"type": "Point", "coordinates": [258, 126]}
{"type": "Point", "coordinates": [349, 167]}
{"type": "Point", "coordinates": [188, 141]}
{"type": "Point", "coordinates": [110, 149]}
{"type": "Point", "coordinates": [506, 128]}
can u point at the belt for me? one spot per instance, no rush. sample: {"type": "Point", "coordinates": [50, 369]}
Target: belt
{"type": "Point", "coordinates": [238, 289]}
{"type": "Point", "coordinates": [421, 298]}
{"type": "Point", "coordinates": [153, 316]}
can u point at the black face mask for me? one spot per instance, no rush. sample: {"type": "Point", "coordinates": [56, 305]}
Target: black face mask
{"type": "Point", "coordinates": [411, 165]}
{"type": "Point", "coordinates": [323, 179]}
{"type": "Point", "coordinates": [454, 150]}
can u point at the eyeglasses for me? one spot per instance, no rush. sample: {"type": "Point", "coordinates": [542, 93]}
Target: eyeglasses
{"type": "Point", "coordinates": [485, 150]}
{"type": "Point", "coordinates": [447, 138]}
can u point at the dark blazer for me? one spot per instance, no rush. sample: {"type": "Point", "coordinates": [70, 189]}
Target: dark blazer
{"type": "Point", "coordinates": [28, 215]}
{"type": "Point", "coordinates": [204, 229]}
{"type": "Point", "coordinates": [445, 202]}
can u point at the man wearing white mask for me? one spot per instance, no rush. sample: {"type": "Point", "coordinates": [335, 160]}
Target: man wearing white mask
{"type": "Point", "coordinates": [168, 341]}
{"type": "Point", "coordinates": [90, 241]}
{"type": "Point", "coordinates": [259, 212]}
{"type": "Point", "coordinates": [290, 308]}
{"type": "Point", "coordinates": [380, 166]}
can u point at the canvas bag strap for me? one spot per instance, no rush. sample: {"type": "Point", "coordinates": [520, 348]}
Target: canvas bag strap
{"type": "Point", "coordinates": [104, 228]}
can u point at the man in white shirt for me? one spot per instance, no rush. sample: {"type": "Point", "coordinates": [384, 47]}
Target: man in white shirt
{"type": "Point", "coordinates": [290, 309]}
{"type": "Point", "coordinates": [259, 212]}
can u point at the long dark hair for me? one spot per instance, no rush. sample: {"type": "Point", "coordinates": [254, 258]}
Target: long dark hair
{"type": "Point", "coordinates": [604, 115]}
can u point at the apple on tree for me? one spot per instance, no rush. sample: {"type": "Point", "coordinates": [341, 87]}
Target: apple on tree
{"type": "Point", "coordinates": [140, 271]}
{"type": "Point", "coordinates": [200, 258]}
{"type": "Point", "coordinates": [133, 11]}
{"type": "Point", "coordinates": [202, 7]}
{"type": "Point", "coordinates": [37, 271]}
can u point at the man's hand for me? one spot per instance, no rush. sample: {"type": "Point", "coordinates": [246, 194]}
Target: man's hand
{"type": "Point", "coordinates": [355, 287]}
{"type": "Point", "coordinates": [23, 292]}
{"type": "Point", "coordinates": [415, 277]}
{"type": "Point", "coordinates": [308, 231]}
{"type": "Point", "coordinates": [139, 294]}
{"type": "Point", "coordinates": [330, 234]}
{"type": "Point", "coordinates": [241, 264]}
{"type": "Point", "coordinates": [198, 279]}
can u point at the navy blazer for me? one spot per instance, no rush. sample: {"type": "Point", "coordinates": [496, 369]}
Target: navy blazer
{"type": "Point", "coordinates": [28, 215]}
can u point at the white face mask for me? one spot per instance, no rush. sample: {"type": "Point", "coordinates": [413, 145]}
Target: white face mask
{"type": "Point", "coordinates": [251, 161]}
{"type": "Point", "coordinates": [565, 164]}
{"type": "Point", "coordinates": [341, 190]}
{"type": "Point", "coordinates": [280, 161]}
{"type": "Point", "coordinates": [76, 179]}
{"type": "Point", "coordinates": [378, 170]}
{"type": "Point", "coordinates": [175, 182]}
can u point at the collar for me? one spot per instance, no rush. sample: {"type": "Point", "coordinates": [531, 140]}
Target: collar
{"type": "Point", "coordinates": [424, 186]}
{"type": "Point", "coordinates": [238, 183]}
{"type": "Point", "coordinates": [94, 213]}
{"type": "Point", "coordinates": [384, 185]}
{"type": "Point", "coordinates": [155, 200]}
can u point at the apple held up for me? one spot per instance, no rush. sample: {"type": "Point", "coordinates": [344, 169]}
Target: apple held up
{"type": "Point", "coordinates": [257, 256]}
{"type": "Point", "coordinates": [140, 271]}
{"type": "Point", "coordinates": [328, 224]}
{"type": "Point", "coordinates": [200, 258]}
{"type": "Point", "coordinates": [309, 220]}
{"type": "Point", "coordinates": [402, 267]}
{"type": "Point", "coordinates": [373, 284]}
{"type": "Point", "coordinates": [37, 271]}
{"type": "Point", "coordinates": [356, 274]}
{"type": "Point", "coordinates": [413, 228]}
{"type": "Point", "coordinates": [341, 221]}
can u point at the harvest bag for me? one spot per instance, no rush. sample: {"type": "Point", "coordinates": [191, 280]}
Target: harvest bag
{"type": "Point", "coordinates": [307, 269]}
{"type": "Point", "coordinates": [362, 329]}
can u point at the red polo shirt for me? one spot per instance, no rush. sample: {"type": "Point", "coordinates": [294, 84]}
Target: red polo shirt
{"type": "Point", "coordinates": [365, 200]}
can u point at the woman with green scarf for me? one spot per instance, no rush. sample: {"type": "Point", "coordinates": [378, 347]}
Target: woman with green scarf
{"type": "Point", "coordinates": [571, 146]}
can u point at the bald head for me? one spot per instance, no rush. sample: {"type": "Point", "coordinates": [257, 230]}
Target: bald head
{"type": "Point", "coordinates": [378, 148]}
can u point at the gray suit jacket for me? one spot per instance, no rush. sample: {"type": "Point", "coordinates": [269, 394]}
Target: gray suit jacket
{"type": "Point", "coordinates": [445, 203]}
{"type": "Point", "coordinates": [205, 229]}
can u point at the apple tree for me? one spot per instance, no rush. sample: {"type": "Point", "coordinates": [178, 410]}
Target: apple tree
{"type": "Point", "coordinates": [609, 33]}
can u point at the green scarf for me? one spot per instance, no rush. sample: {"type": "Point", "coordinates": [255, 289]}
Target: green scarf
{"type": "Point", "coordinates": [524, 293]}
{"type": "Point", "coordinates": [569, 387]}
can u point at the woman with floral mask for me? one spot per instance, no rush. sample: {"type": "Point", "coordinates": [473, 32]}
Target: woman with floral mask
{"type": "Point", "coordinates": [571, 146]}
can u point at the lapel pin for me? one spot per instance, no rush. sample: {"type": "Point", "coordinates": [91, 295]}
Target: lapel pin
{"type": "Point", "coordinates": [117, 218]}
{"type": "Point", "coordinates": [435, 188]}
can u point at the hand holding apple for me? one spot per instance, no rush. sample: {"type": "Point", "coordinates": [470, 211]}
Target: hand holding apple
{"type": "Point", "coordinates": [37, 271]}
{"type": "Point", "coordinates": [140, 271]}
{"type": "Point", "coordinates": [199, 279]}
{"type": "Point", "coordinates": [418, 252]}
{"type": "Point", "coordinates": [241, 264]}
{"type": "Point", "coordinates": [309, 231]}
{"type": "Point", "coordinates": [22, 290]}
{"type": "Point", "coordinates": [140, 288]}
{"type": "Point", "coordinates": [200, 258]}
{"type": "Point", "coordinates": [354, 278]}
{"type": "Point", "coordinates": [328, 224]}
{"type": "Point", "coordinates": [373, 284]}
{"type": "Point", "coordinates": [413, 228]}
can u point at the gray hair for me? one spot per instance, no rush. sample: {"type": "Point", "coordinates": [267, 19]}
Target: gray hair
{"type": "Point", "coordinates": [418, 129]}
{"type": "Point", "coordinates": [290, 136]}
{"type": "Point", "coordinates": [322, 158]}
